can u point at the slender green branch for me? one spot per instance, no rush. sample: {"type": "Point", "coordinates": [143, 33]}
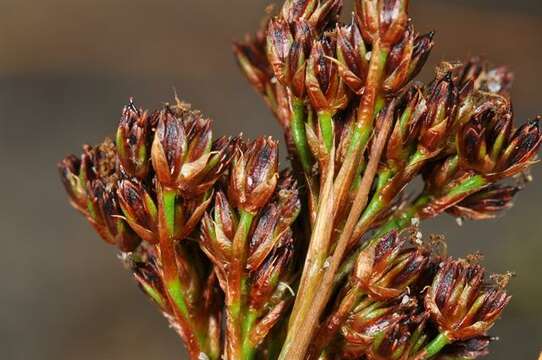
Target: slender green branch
{"type": "Point", "coordinates": [325, 121]}
{"type": "Point", "coordinates": [434, 347]}
{"type": "Point", "coordinates": [299, 135]}
{"type": "Point", "coordinates": [247, 350]}
{"type": "Point", "coordinates": [237, 286]}
{"type": "Point", "coordinates": [196, 340]}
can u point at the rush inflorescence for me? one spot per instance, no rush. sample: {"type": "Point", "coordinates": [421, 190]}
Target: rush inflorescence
{"type": "Point", "coordinates": [325, 259]}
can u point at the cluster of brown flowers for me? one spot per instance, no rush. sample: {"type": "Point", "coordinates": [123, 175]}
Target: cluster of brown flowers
{"type": "Point", "coordinates": [322, 261]}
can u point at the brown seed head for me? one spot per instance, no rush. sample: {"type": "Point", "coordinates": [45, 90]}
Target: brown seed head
{"type": "Point", "coordinates": [325, 88]}
{"type": "Point", "coordinates": [106, 217]}
{"type": "Point", "coordinates": [352, 57]}
{"type": "Point", "coordinates": [406, 59]}
{"type": "Point", "coordinates": [386, 268]}
{"type": "Point", "coordinates": [519, 153]}
{"type": "Point", "coordinates": [184, 156]}
{"type": "Point", "coordinates": [382, 20]}
{"type": "Point", "coordinates": [469, 349]}
{"type": "Point", "coordinates": [460, 303]}
{"type": "Point", "coordinates": [274, 224]}
{"type": "Point", "coordinates": [441, 106]}
{"type": "Point", "coordinates": [367, 321]}
{"type": "Point", "coordinates": [254, 174]}
{"type": "Point", "coordinates": [139, 209]}
{"type": "Point", "coordinates": [133, 141]}
{"type": "Point", "coordinates": [318, 13]}
{"type": "Point", "coordinates": [75, 187]}
{"type": "Point", "coordinates": [399, 342]}
{"type": "Point", "coordinates": [485, 204]}
{"type": "Point", "coordinates": [279, 44]}
{"type": "Point", "coordinates": [251, 57]}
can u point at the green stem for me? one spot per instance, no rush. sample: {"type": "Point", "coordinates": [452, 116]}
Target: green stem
{"type": "Point", "coordinates": [435, 346]}
{"type": "Point", "coordinates": [169, 197]}
{"type": "Point", "coordinates": [176, 292]}
{"type": "Point", "coordinates": [245, 222]}
{"type": "Point", "coordinates": [397, 222]}
{"type": "Point", "coordinates": [247, 350]}
{"type": "Point", "coordinates": [470, 185]}
{"type": "Point", "coordinates": [167, 247]}
{"type": "Point", "coordinates": [237, 283]}
{"type": "Point", "coordinates": [299, 135]}
{"type": "Point", "coordinates": [154, 295]}
{"type": "Point", "coordinates": [326, 128]}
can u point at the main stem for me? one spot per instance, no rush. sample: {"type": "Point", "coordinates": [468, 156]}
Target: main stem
{"type": "Point", "coordinates": [304, 316]}
{"type": "Point", "coordinates": [326, 286]}
{"type": "Point", "coordinates": [313, 267]}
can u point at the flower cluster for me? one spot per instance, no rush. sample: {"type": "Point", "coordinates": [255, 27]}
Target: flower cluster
{"type": "Point", "coordinates": [248, 261]}
{"type": "Point", "coordinates": [206, 226]}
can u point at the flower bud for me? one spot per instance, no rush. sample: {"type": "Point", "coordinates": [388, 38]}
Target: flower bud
{"type": "Point", "coordinates": [470, 72]}
{"type": "Point", "coordinates": [480, 141]}
{"type": "Point", "coordinates": [75, 187]}
{"type": "Point", "coordinates": [168, 148]}
{"type": "Point", "coordinates": [406, 59]}
{"type": "Point", "coordinates": [325, 88]}
{"type": "Point", "coordinates": [383, 20]}
{"type": "Point", "coordinates": [106, 218]}
{"type": "Point", "coordinates": [297, 58]}
{"type": "Point", "coordinates": [252, 59]}
{"type": "Point", "coordinates": [279, 43]}
{"type": "Point", "coordinates": [318, 13]}
{"type": "Point", "coordinates": [288, 47]}
{"type": "Point", "coordinates": [367, 321]}
{"type": "Point", "coordinates": [146, 270]}
{"type": "Point", "coordinates": [466, 350]}
{"type": "Point", "coordinates": [293, 10]}
{"type": "Point", "coordinates": [385, 268]}
{"type": "Point", "coordinates": [352, 57]}
{"type": "Point", "coordinates": [183, 154]}
{"type": "Point", "coordinates": [218, 230]}
{"type": "Point", "coordinates": [520, 151]}
{"type": "Point", "coordinates": [139, 209]}
{"type": "Point", "coordinates": [460, 303]}
{"type": "Point", "coordinates": [493, 80]}
{"type": "Point", "coordinates": [410, 113]}
{"type": "Point", "coordinates": [441, 105]}
{"type": "Point", "coordinates": [275, 220]}
{"type": "Point", "coordinates": [266, 277]}
{"type": "Point", "coordinates": [485, 204]}
{"type": "Point", "coordinates": [254, 174]}
{"type": "Point", "coordinates": [133, 141]}
{"type": "Point", "coordinates": [401, 341]}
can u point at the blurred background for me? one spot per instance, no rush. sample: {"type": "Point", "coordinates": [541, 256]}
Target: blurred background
{"type": "Point", "coordinates": [66, 69]}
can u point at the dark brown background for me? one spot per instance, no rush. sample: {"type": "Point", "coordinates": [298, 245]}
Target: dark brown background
{"type": "Point", "coordinates": [67, 67]}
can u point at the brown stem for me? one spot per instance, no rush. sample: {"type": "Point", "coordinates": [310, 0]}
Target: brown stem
{"type": "Point", "coordinates": [304, 315]}
{"type": "Point", "coordinates": [314, 264]}
{"type": "Point", "coordinates": [364, 123]}
{"type": "Point", "coordinates": [334, 322]}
